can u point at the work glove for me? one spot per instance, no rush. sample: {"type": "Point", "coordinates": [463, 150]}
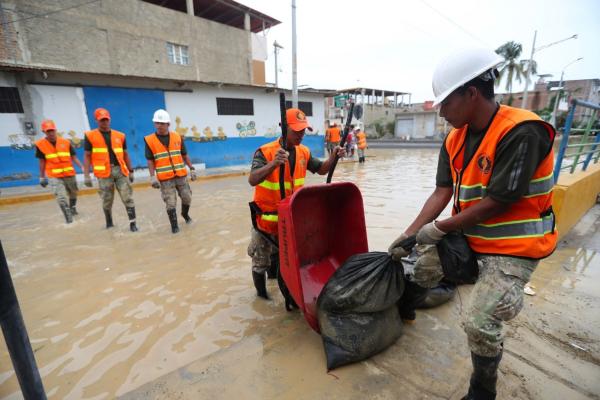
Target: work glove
{"type": "Point", "coordinates": [154, 181]}
{"type": "Point", "coordinates": [43, 182]}
{"type": "Point", "coordinates": [193, 175]}
{"type": "Point", "coordinates": [87, 181]}
{"type": "Point", "coordinates": [131, 178]}
{"type": "Point", "coordinates": [397, 252]}
{"type": "Point", "coordinates": [430, 234]}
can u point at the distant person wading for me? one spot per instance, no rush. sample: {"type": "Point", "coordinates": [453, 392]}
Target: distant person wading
{"type": "Point", "coordinates": [106, 152]}
{"type": "Point", "coordinates": [167, 159]}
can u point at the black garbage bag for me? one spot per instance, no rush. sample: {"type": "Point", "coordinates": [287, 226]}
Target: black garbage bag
{"type": "Point", "coordinates": [458, 260]}
{"type": "Point", "coordinates": [357, 311]}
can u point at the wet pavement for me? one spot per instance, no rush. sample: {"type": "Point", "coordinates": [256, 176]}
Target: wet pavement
{"type": "Point", "coordinates": [156, 315]}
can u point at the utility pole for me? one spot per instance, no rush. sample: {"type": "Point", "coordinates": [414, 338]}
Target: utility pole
{"type": "Point", "coordinates": [294, 68]}
{"type": "Point", "coordinates": [276, 47]}
{"type": "Point", "coordinates": [524, 102]}
{"type": "Point", "coordinates": [560, 91]}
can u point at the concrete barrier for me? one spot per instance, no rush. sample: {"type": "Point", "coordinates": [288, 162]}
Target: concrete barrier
{"type": "Point", "coordinates": [574, 195]}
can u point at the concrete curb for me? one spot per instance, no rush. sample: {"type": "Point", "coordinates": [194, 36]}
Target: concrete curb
{"type": "Point", "coordinates": [28, 198]}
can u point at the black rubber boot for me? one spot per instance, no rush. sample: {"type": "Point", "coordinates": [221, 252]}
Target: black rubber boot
{"type": "Point", "coordinates": [272, 271]}
{"type": "Point", "coordinates": [185, 210]}
{"type": "Point", "coordinates": [67, 213]}
{"type": "Point", "coordinates": [173, 220]}
{"type": "Point", "coordinates": [108, 217]}
{"type": "Point", "coordinates": [72, 204]}
{"type": "Point", "coordinates": [412, 297]}
{"type": "Point", "coordinates": [260, 284]}
{"type": "Point", "coordinates": [484, 377]}
{"type": "Point", "coordinates": [131, 215]}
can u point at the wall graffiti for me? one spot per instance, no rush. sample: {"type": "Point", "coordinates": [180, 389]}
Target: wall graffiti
{"type": "Point", "coordinates": [21, 141]}
{"type": "Point", "coordinates": [246, 129]}
{"type": "Point", "coordinates": [196, 135]}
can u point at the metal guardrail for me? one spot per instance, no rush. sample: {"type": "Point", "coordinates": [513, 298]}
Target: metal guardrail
{"type": "Point", "coordinates": [588, 146]}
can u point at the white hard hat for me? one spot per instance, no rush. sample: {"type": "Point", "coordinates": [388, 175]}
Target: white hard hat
{"type": "Point", "coordinates": [460, 67]}
{"type": "Point", "coordinates": [161, 116]}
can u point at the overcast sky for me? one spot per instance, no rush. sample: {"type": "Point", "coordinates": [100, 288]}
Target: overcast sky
{"type": "Point", "coordinates": [395, 45]}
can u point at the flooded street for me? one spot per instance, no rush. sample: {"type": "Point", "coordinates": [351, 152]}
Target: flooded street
{"type": "Point", "coordinates": [109, 311]}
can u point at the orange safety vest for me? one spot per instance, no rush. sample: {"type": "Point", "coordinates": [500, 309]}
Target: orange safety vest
{"type": "Point", "coordinates": [266, 193]}
{"type": "Point", "coordinates": [58, 157]}
{"type": "Point", "coordinates": [168, 162]}
{"type": "Point", "coordinates": [100, 157]}
{"type": "Point", "coordinates": [334, 134]}
{"type": "Point", "coordinates": [362, 140]}
{"type": "Point", "coordinates": [527, 228]}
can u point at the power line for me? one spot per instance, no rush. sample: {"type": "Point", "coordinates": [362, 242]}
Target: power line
{"type": "Point", "coordinates": [49, 13]}
{"type": "Point", "coordinates": [453, 23]}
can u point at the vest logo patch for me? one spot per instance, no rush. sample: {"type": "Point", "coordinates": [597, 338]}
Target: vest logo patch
{"type": "Point", "coordinates": [484, 163]}
{"type": "Point", "coordinates": [303, 162]}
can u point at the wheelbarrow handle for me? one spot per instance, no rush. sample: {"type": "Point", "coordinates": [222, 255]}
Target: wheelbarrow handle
{"type": "Point", "coordinates": [342, 143]}
{"type": "Point", "coordinates": [283, 143]}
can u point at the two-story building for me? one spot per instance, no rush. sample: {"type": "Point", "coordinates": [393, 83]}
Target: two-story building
{"type": "Point", "coordinates": [201, 60]}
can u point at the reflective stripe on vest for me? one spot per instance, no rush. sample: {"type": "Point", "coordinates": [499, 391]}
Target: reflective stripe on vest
{"type": "Point", "coordinates": [269, 217]}
{"type": "Point", "coordinates": [528, 228]}
{"type": "Point", "coordinates": [537, 187]}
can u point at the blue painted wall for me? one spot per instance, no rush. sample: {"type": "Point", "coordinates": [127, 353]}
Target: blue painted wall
{"type": "Point", "coordinates": [20, 167]}
{"type": "Point", "coordinates": [131, 112]}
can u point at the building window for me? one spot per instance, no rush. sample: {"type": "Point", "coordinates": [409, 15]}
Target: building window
{"type": "Point", "coordinates": [228, 106]}
{"type": "Point", "coordinates": [178, 54]}
{"type": "Point", "coordinates": [304, 106]}
{"type": "Point", "coordinates": [10, 101]}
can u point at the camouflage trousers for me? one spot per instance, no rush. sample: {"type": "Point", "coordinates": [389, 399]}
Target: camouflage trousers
{"type": "Point", "coordinates": [496, 297]}
{"type": "Point", "coordinates": [361, 152]}
{"type": "Point", "coordinates": [260, 249]}
{"type": "Point", "coordinates": [170, 188]}
{"type": "Point", "coordinates": [331, 146]}
{"type": "Point", "coordinates": [64, 189]}
{"type": "Point", "coordinates": [106, 189]}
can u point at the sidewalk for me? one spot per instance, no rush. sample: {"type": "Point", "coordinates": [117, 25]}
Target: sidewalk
{"type": "Point", "coordinates": [24, 194]}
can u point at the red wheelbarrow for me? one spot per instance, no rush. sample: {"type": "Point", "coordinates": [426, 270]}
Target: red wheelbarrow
{"type": "Point", "coordinates": [320, 227]}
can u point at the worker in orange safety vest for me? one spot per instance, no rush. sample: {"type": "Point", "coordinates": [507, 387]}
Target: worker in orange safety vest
{"type": "Point", "coordinates": [56, 157]}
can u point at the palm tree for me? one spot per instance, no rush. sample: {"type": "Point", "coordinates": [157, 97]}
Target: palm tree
{"type": "Point", "coordinates": [511, 68]}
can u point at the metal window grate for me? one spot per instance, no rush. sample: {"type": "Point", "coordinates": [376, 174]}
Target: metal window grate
{"type": "Point", "coordinates": [178, 54]}
{"type": "Point", "coordinates": [304, 106]}
{"type": "Point", "coordinates": [10, 101]}
{"type": "Point", "coordinates": [229, 106]}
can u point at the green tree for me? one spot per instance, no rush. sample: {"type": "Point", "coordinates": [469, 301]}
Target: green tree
{"type": "Point", "coordinates": [511, 68]}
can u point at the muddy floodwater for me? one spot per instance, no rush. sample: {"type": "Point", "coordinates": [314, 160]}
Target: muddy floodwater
{"type": "Point", "coordinates": [109, 311]}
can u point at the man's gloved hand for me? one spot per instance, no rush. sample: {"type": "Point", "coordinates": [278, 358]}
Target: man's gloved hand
{"type": "Point", "coordinates": [154, 181]}
{"type": "Point", "coordinates": [87, 181]}
{"type": "Point", "coordinates": [396, 251]}
{"type": "Point", "coordinates": [43, 182]}
{"type": "Point", "coordinates": [193, 175]}
{"type": "Point", "coordinates": [131, 178]}
{"type": "Point", "coordinates": [430, 234]}
{"type": "Point", "coordinates": [280, 157]}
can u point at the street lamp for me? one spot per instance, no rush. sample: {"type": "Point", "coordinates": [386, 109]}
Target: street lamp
{"type": "Point", "coordinates": [559, 94]}
{"type": "Point", "coordinates": [276, 47]}
{"type": "Point", "coordinates": [533, 50]}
